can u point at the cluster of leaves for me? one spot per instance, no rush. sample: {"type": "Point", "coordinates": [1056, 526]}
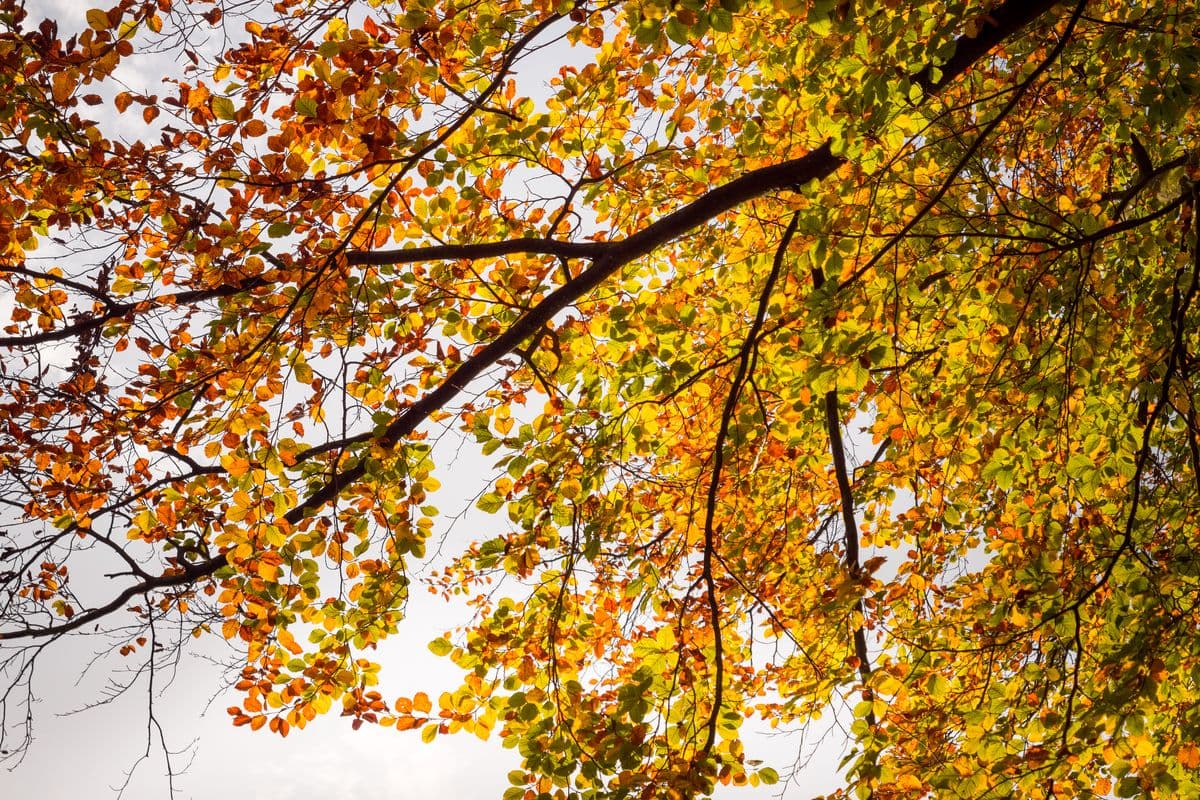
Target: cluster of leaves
{"type": "Point", "coordinates": [829, 353]}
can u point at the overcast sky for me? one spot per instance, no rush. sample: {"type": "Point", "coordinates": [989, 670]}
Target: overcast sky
{"type": "Point", "coordinates": [84, 755]}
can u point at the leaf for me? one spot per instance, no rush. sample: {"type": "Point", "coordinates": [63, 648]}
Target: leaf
{"type": "Point", "coordinates": [97, 20]}
{"type": "Point", "coordinates": [677, 31]}
{"type": "Point", "coordinates": [1079, 465]}
{"type": "Point", "coordinates": [63, 86]}
{"type": "Point", "coordinates": [306, 106]}
{"type": "Point", "coordinates": [223, 108]}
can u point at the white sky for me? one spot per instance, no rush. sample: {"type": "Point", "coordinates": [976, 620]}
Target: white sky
{"type": "Point", "coordinates": [88, 754]}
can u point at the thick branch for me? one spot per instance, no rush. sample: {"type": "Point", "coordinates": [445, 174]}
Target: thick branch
{"type": "Point", "coordinates": [178, 577]}
{"type": "Point", "coordinates": [710, 509]}
{"type": "Point", "coordinates": [116, 311]}
{"type": "Point", "coordinates": [549, 247]}
{"type": "Point", "coordinates": [1000, 23]}
{"type": "Point", "coordinates": [833, 426]}
{"type": "Point", "coordinates": [814, 166]}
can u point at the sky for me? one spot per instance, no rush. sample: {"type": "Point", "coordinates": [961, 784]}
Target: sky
{"type": "Point", "coordinates": [97, 752]}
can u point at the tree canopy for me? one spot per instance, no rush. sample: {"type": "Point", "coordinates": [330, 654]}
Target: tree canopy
{"type": "Point", "coordinates": [834, 358]}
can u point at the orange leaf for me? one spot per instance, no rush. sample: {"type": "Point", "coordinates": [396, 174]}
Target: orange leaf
{"type": "Point", "coordinates": [287, 640]}
{"type": "Point", "coordinates": [61, 86]}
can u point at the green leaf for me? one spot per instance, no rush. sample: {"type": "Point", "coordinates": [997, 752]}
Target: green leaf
{"type": "Point", "coordinates": [677, 31]}
{"type": "Point", "coordinates": [223, 108]}
{"type": "Point", "coordinates": [1079, 465]}
{"type": "Point", "coordinates": [306, 106]}
{"type": "Point", "coordinates": [490, 503]}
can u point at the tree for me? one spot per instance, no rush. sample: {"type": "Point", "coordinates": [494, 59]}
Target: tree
{"type": "Point", "coordinates": [827, 353]}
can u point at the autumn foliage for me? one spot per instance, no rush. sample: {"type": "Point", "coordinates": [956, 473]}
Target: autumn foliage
{"type": "Point", "coordinates": [833, 358]}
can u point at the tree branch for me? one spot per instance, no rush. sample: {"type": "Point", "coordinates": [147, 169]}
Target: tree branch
{"type": "Point", "coordinates": [608, 258]}
{"type": "Point", "coordinates": [714, 484]}
{"type": "Point", "coordinates": [452, 252]}
{"type": "Point", "coordinates": [998, 24]}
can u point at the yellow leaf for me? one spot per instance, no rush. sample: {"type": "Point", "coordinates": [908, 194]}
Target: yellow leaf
{"type": "Point", "coordinates": [570, 488]}
{"type": "Point", "coordinates": [97, 19]}
{"type": "Point", "coordinates": [61, 86]}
